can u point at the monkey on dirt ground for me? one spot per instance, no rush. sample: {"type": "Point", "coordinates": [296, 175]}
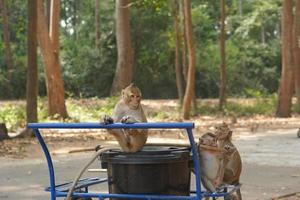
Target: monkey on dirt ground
{"type": "Point", "coordinates": [128, 110]}
{"type": "Point", "coordinates": [233, 167]}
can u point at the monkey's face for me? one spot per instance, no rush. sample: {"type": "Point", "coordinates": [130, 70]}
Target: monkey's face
{"type": "Point", "coordinates": [223, 131]}
{"type": "Point", "coordinates": [134, 100]}
{"type": "Point", "coordinates": [132, 97]}
{"type": "Point", "coordinates": [208, 139]}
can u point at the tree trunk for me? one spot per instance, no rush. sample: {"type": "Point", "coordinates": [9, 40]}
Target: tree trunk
{"type": "Point", "coordinates": [178, 66]}
{"type": "Point", "coordinates": [185, 65]}
{"type": "Point", "coordinates": [296, 53]}
{"type": "Point", "coordinates": [223, 77]}
{"type": "Point", "coordinates": [50, 51]}
{"type": "Point", "coordinates": [124, 71]}
{"type": "Point", "coordinates": [6, 38]}
{"type": "Point", "coordinates": [191, 57]}
{"type": "Point", "coordinates": [97, 25]}
{"type": "Point", "coordinates": [287, 79]}
{"type": "Point", "coordinates": [32, 70]}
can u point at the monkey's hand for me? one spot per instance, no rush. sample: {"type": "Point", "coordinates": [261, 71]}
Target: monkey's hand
{"type": "Point", "coordinates": [107, 120]}
{"type": "Point", "coordinates": [128, 120]}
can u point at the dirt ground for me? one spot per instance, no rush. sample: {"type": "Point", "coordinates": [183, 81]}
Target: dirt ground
{"type": "Point", "coordinates": [270, 161]}
{"type": "Point", "coordinates": [64, 142]}
{"type": "Point", "coordinates": [292, 196]}
{"type": "Point", "coordinates": [22, 147]}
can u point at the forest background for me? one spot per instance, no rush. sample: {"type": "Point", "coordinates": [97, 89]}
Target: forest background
{"type": "Point", "coordinates": [255, 33]}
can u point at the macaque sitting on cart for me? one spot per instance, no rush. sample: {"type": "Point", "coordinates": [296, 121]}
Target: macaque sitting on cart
{"type": "Point", "coordinates": [129, 110]}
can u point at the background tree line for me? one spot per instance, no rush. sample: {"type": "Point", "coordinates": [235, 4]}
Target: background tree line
{"type": "Point", "coordinates": [88, 47]}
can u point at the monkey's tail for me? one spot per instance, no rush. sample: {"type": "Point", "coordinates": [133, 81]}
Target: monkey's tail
{"type": "Point", "coordinates": [75, 181]}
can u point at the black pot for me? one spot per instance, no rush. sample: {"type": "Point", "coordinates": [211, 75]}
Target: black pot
{"type": "Point", "coordinates": [153, 170]}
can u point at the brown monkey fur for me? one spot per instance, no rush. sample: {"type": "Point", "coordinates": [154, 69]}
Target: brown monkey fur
{"type": "Point", "coordinates": [212, 162]}
{"type": "Point", "coordinates": [233, 167]}
{"type": "Point", "coordinates": [129, 110]}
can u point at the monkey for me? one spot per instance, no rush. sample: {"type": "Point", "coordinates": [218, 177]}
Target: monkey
{"type": "Point", "coordinates": [212, 162]}
{"type": "Point", "coordinates": [233, 166]}
{"type": "Point", "coordinates": [128, 110]}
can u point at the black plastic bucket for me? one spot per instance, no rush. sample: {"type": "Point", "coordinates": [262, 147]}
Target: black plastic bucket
{"type": "Point", "coordinates": [153, 170]}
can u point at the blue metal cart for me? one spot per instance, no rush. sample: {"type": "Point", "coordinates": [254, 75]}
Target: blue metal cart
{"type": "Point", "coordinates": [84, 184]}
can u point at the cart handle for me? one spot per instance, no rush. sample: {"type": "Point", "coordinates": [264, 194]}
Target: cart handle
{"type": "Point", "coordinates": [150, 125]}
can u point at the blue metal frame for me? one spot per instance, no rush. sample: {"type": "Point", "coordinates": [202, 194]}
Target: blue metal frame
{"type": "Point", "coordinates": [55, 192]}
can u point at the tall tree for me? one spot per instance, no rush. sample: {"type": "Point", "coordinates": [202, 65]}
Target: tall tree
{"type": "Point", "coordinates": [222, 89]}
{"type": "Point", "coordinates": [178, 64]}
{"type": "Point", "coordinates": [185, 61]}
{"type": "Point", "coordinates": [189, 91]}
{"type": "Point", "coordinates": [296, 52]}
{"type": "Point", "coordinates": [32, 70]}
{"type": "Point", "coordinates": [97, 24]}
{"type": "Point", "coordinates": [49, 43]}
{"type": "Point", "coordinates": [6, 38]}
{"type": "Point", "coordinates": [124, 71]}
{"type": "Point", "coordinates": [287, 80]}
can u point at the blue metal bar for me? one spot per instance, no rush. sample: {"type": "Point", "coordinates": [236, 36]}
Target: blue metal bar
{"type": "Point", "coordinates": [128, 196]}
{"type": "Point", "coordinates": [49, 162]}
{"type": "Point", "coordinates": [142, 196]}
{"type": "Point", "coordinates": [196, 163]}
{"type": "Point", "coordinates": [83, 183]}
{"type": "Point", "coordinates": [150, 125]}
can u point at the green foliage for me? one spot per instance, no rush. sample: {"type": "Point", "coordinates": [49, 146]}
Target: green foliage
{"type": "Point", "coordinates": [90, 109]}
{"type": "Point", "coordinates": [261, 105]}
{"type": "Point", "coordinates": [253, 57]}
{"type": "Point", "coordinates": [154, 58]}
{"type": "Point", "coordinates": [93, 109]}
{"type": "Point", "coordinates": [17, 15]}
{"type": "Point", "coordinates": [82, 110]}
{"type": "Point", "coordinates": [13, 115]}
{"type": "Point", "coordinates": [87, 71]}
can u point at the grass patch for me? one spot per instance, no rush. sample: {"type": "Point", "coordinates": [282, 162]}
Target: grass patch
{"type": "Point", "coordinates": [92, 110]}
{"type": "Point", "coordinates": [259, 106]}
{"type": "Point", "coordinates": [13, 115]}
